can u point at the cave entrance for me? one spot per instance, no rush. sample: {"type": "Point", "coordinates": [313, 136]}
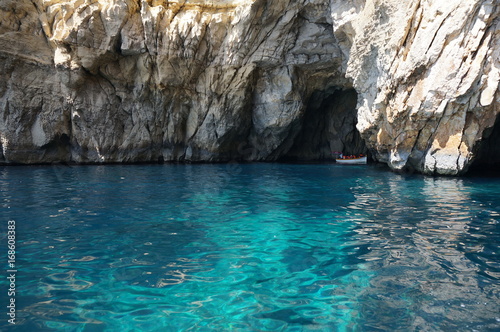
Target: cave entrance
{"type": "Point", "coordinates": [328, 125]}
{"type": "Point", "coordinates": [488, 153]}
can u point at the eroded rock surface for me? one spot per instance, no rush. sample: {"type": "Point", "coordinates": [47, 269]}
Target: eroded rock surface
{"type": "Point", "coordinates": [93, 81]}
{"type": "Point", "coordinates": [428, 75]}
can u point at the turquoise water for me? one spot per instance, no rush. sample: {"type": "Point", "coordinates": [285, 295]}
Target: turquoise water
{"type": "Point", "coordinates": [251, 247]}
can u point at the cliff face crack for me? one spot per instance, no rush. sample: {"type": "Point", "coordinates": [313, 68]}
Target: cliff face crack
{"type": "Point", "coordinates": [411, 23]}
{"type": "Point", "coordinates": [438, 30]}
{"type": "Point", "coordinates": [181, 7]}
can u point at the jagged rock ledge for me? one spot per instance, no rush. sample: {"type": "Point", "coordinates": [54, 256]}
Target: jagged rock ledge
{"type": "Point", "coordinates": [413, 83]}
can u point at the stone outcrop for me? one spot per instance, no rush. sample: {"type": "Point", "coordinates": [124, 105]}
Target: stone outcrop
{"type": "Point", "coordinates": [428, 75]}
{"type": "Point", "coordinates": [415, 83]}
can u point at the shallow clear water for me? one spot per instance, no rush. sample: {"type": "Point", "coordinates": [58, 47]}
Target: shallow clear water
{"type": "Point", "coordinates": [252, 247]}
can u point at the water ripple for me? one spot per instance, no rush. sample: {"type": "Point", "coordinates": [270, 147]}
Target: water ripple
{"type": "Point", "coordinates": [264, 247]}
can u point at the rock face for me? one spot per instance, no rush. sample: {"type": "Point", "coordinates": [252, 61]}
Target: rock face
{"type": "Point", "coordinates": [415, 83]}
{"type": "Point", "coordinates": [427, 73]}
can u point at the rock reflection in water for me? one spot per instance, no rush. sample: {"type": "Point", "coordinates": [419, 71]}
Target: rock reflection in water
{"type": "Point", "coordinates": [420, 244]}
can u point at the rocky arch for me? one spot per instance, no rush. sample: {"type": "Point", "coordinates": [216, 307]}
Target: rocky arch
{"type": "Point", "coordinates": [328, 124]}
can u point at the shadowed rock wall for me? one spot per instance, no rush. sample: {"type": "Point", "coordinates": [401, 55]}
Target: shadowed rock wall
{"type": "Point", "coordinates": [488, 148]}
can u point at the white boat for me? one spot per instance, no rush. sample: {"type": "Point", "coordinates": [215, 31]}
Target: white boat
{"type": "Point", "coordinates": [352, 161]}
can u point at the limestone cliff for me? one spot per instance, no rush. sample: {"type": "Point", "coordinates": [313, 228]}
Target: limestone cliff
{"type": "Point", "coordinates": [91, 81]}
{"type": "Point", "coordinates": [428, 76]}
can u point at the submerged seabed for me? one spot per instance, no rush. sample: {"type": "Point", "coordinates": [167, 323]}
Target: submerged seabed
{"type": "Point", "coordinates": [252, 247]}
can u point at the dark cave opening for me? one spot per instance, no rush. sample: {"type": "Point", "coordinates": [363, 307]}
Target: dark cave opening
{"type": "Point", "coordinates": [487, 161]}
{"type": "Point", "coordinates": [328, 125]}
{"type": "Point", "coordinates": [58, 149]}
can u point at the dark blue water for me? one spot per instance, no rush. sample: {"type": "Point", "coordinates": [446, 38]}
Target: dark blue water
{"type": "Point", "coordinates": [253, 247]}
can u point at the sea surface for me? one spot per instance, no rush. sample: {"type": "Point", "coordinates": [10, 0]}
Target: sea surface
{"type": "Point", "coordinates": [249, 247]}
